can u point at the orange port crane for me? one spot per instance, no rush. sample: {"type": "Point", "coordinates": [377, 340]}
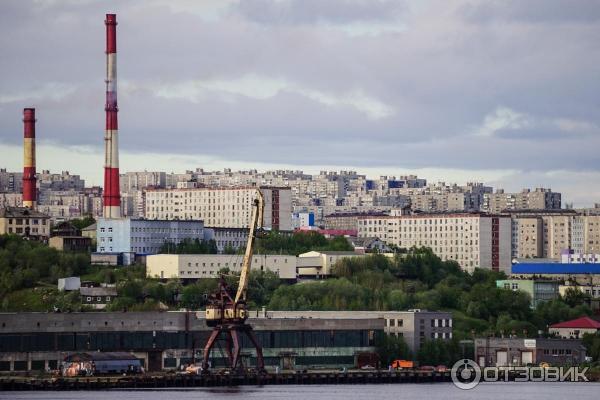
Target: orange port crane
{"type": "Point", "coordinates": [226, 313]}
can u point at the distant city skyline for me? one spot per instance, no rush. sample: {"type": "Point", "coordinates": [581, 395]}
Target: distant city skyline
{"type": "Point", "coordinates": [500, 92]}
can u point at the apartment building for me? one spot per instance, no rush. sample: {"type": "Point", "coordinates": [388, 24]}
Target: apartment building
{"type": "Point", "coordinates": [538, 199]}
{"type": "Point", "coordinates": [134, 181]}
{"type": "Point", "coordinates": [527, 237]}
{"type": "Point", "coordinates": [131, 237]}
{"type": "Point", "coordinates": [347, 221]}
{"type": "Point", "coordinates": [228, 238]}
{"type": "Point", "coordinates": [11, 182]}
{"type": "Point", "coordinates": [220, 207]}
{"type": "Point", "coordinates": [418, 326]}
{"type": "Point", "coordinates": [197, 266]}
{"type": "Point", "coordinates": [24, 222]}
{"type": "Point", "coordinates": [471, 239]}
{"type": "Point", "coordinates": [547, 233]}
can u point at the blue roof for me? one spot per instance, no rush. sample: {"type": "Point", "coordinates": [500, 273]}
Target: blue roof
{"type": "Point", "coordinates": [555, 268]}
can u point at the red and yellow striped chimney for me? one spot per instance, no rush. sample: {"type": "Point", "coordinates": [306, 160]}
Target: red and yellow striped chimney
{"type": "Point", "coordinates": [29, 179]}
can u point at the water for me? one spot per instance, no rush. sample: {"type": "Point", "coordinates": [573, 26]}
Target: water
{"type": "Point", "coordinates": [442, 391]}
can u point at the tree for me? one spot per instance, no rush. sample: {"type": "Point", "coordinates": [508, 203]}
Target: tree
{"type": "Point", "coordinates": [390, 348]}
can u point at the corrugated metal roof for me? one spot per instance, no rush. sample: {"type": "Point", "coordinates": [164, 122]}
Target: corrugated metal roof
{"type": "Point", "coordinates": [555, 268]}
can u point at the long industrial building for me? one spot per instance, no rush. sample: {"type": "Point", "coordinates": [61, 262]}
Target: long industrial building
{"type": "Point", "coordinates": [167, 340]}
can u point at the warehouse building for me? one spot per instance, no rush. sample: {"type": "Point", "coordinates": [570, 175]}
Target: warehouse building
{"type": "Point", "coordinates": [197, 266]}
{"type": "Point", "coordinates": [167, 340]}
{"type": "Point", "coordinates": [513, 352]}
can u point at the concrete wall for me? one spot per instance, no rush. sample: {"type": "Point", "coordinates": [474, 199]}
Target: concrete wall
{"type": "Point", "coordinates": [196, 266]}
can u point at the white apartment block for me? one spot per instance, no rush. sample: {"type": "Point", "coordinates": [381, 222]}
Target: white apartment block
{"type": "Point", "coordinates": [197, 266]}
{"type": "Point", "coordinates": [547, 234]}
{"type": "Point", "coordinates": [471, 239]}
{"type": "Point", "coordinates": [220, 207]}
{"type": "Point", "coordinates": [140, 236]}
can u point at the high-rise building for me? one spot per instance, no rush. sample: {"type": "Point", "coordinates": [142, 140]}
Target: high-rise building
{"type": "Point", "coordinates": [471, 239]}
{"type": "Point", "coordinates": [220, 207]}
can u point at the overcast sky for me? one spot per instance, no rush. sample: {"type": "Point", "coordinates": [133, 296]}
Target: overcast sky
{"type": "Point", "coordinates": [502, 91]}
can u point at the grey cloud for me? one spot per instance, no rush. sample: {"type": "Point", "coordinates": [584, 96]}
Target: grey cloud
{"type": "Point", "coordinates": [441, 77]}
{"type": "Point", "coordinates": [533, 11]}
{"type": "Point", "coordinates": [314, 11]}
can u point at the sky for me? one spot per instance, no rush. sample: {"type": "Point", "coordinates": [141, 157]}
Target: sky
{"type": "Point", "coordinates": [505, 92]}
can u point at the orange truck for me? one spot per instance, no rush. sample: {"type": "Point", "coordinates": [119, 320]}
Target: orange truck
{"type": "Point", "coordinates": [402, 364]}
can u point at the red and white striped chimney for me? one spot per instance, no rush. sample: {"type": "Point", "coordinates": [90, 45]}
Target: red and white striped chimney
{"type": "Point", "coordinates": [112, 196]}
{"type": "Point", "coordinates": [29, 180]}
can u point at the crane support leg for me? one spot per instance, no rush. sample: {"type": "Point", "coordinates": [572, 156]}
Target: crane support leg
{"type": "Point", "coordinates": [237, 348]}
{"type": "Point", "coordinates": [260, 361]}
{"type": "Point", "coordinates": [209, 345]}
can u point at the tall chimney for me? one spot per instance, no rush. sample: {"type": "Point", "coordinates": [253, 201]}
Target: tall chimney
{"type": "Point", "coordinates": [29, 180]}
{"type": "Point", "coordinates": [112, 196]}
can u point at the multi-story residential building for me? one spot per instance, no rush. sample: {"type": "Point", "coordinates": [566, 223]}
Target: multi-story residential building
{"type": "Point", "coordinates": [220, 207]}
{"type": "Point", "coordinates": [418, 326]}
{"type": "Point", "coordinates": [227, 238]}
{"type": "Point", "coordinates": [527, 237]}
{"type": "Point", "coordinates": [547, 233]}
{"type": "Point", "coordinates": [303, 220]}
{"type": "Point", "coordinates": [24, 222]}
{"type": "Point", "coordinates": [11, 182]}
{"type": "Point", "coordinates": [539, 199]}
{"type": "Point", "coordinates": [61, 182]}
{"type": "Point", "coordinates": [538, 290]}
{"type": "Point", "coordinates": [471, 239]}
{"type": "Point", "coordinates": [347, 221]}
{"type": "Point", "coordinates": [136, 181]}
{"type": "Point", "coordinates": [198, 266]}
{"type": "Point", "coordinates": [11, 200]}
{"type": "Point", "coordinates": [131, 237]}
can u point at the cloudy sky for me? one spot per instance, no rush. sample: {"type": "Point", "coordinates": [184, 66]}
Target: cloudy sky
{"type": "Point", "coordinates": [502, 91]}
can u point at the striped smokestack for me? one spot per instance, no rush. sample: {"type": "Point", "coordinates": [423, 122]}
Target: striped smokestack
{"type": "Point", "coordinates": [112, 196]}
{"type": "Point", "coordinates": [29, 180]}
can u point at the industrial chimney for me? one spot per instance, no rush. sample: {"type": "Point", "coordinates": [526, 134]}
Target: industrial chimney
{"type": "Point", "coordinates": [29, 180]}
{"type": "Point", "coordinates": [112, 196]}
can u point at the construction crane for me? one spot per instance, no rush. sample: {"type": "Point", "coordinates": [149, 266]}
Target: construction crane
{"type": "Point", "coordinates": [226, 313]}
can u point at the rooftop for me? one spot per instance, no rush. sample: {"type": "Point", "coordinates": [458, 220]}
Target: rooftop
{"type": "Point", "coordinates": [583, 322]}
{"type": "Point", "coordinates": [20, 212]}
{"type": "Point", "coordinates": [556, 268]}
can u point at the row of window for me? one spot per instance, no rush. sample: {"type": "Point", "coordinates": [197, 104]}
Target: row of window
{"type": "Point", "coordinates": [26, 221]}
{"type": "Point", "coordinates": [131, 341]}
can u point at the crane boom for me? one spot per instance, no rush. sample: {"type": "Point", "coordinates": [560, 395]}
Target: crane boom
{"type": "Point", "coordinates": [255, 224]}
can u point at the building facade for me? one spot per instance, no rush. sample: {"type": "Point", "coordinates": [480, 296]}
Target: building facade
{"type": "Point", "coordinates": [23, 221]}
{"type": "Point", "coordinates": [220, 207]}
{"type": "Point", "coordinates": [538, 290]}
{"type": "Point", "coordinates": [509, 352]}
{"type": "Point", "coordinates": [141, 237]}
{"type": "Point", "coordinates": [198, 266]}
{"type": "Point", "coordinates": [471, 239]}
{"type": "Point", "coordinates": [418, 326]}
{"type": "Point", "coordinates": [168, 340]}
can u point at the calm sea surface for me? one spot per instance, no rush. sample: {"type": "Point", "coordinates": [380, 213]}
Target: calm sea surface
{"type": "Point", "coordinates": [443, 391]}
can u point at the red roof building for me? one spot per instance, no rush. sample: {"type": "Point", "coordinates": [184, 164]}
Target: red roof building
{"type": "Point", "coordinates": [575, 328]}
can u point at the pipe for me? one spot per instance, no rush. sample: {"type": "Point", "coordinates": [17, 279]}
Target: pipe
{"type": "Point", "coordinates": [112, 196]}
{"type": "Point", "coordinates": [29, 179]}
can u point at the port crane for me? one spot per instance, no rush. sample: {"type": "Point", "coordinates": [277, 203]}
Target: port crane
{"type": "Point", "coordinates": [227, 312]}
